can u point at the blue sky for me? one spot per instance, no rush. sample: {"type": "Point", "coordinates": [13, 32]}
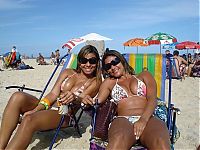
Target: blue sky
{"type": "Point", "coordinates": [45, 25]}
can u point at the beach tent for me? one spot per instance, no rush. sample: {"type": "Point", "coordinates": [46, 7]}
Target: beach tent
{"type": "Point", "coordinates": [94, 39]}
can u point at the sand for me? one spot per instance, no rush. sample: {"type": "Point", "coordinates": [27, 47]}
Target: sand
{"type": "Point", "coordinates": [185, 95]}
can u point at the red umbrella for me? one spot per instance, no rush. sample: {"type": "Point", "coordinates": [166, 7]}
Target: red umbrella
{"type": "Point", "coordinates": [187, 45]}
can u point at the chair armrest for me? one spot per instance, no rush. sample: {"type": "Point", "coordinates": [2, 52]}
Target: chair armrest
{"type": "Point", "coordinates": [21, 88]}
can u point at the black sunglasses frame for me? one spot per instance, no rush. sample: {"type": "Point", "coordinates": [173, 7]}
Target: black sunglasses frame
{"type": "Point", "coordinates": [84, 60]}
{"type": "Point", "coordinates": [112, 63]}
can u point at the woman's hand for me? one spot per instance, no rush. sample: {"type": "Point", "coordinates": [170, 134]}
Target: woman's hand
{"type": "Point", "coordinates": [87, 100]}
{"type": "Point", "coordinates": [67, 97]}
{"type": "Point", "coordinates": [29, 113]}
{"type": "Point", "coordinates": [139, 127]}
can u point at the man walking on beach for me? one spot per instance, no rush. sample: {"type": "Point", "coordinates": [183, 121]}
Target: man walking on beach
{"type": "Point", "coordinates": [57, 56]}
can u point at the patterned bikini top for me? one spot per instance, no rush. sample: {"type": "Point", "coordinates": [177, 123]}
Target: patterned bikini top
{"type": "Point", "coordinates": [79, 90]}
{"type": "Point", "coordinates": [119, 93]}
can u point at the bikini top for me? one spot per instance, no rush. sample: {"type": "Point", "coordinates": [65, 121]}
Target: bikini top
{"type": "Point", "coordinates": [79, 90]}
{"type": "Point", "coordinates": [119, 93]}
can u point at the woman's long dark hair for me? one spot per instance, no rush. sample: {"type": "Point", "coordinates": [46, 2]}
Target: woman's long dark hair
{"type": "Point", "coordinates": [127, 67]}
{"type": "Point", "coordinates": [83, 52]}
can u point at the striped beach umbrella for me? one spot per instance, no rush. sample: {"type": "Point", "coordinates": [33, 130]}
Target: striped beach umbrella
{"type": "Point", "coordinates": [160, 38]}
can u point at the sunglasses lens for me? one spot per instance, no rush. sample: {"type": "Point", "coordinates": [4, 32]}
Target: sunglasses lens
{"type": "Point", "coordinates": [83, 60]}
{"type": "Point", "coordinates": [107, 66]}
{"type": "Point", "coordinates": [92, 60]}
{"type": "Point", "coordinates": [116, 61]}
{"type": "Point", "coordinates": [112, 63]}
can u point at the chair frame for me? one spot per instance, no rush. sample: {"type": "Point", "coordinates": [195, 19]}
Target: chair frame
{"type": "Point", "coordinates": [76, 120]}
{"type": "Point", "coordinates": [171, 111]}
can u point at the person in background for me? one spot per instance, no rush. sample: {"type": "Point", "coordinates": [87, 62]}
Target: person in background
{"type": "Point", "coordinates": [57, 56]}
{"type": "Point", "coordinates": [40, 60]}
{"type": "Point", "coordinates": [135, 97]}
{"type": "Point", "coordinates": [168, 54]}
{"type": "Point", "coordinates": [53, 57]}
{"type": "Point", "coordinates": [181, 63]}
{"type": "Point", "coordinates": [189, 59]}
{"type": "Point", "coordinates": [71, 86]}
{"type": "Point", "coordinates": [184, 57]}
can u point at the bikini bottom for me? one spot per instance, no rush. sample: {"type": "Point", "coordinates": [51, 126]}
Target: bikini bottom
{"type": "Point", "coordinates": [131, 119]}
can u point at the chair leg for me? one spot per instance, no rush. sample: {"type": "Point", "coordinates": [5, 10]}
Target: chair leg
{"type": "Point", "coordinates": [57, 131]}
{"type": "Point", "coordinates": [76, 121]}
{"type": "Point", "coordinates": [173, 127]}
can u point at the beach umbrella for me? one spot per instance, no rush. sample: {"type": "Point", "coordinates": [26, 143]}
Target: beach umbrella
{"type": "Point", "coordinates": [187, 45]}
{"type": "Point", "coordinates": [89, 37]}
{"type": "Point", "coordinates": [160, 38]}
{"type": "Point", "coordinates": [136, 42]}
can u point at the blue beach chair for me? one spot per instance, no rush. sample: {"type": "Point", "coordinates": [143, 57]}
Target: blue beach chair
{"type": "Point", "coordinates": [156, 64]}
{"type": "Point", "coordinates": [70, 62]}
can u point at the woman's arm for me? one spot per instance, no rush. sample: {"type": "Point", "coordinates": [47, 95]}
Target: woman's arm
{"type": "Point", "coordinates": [55, 92]}
{"type": "Point", "coordinates": [102, 95]}
{"type": "Point", "coordinates": [151, 94]}
{"type": "Point", "coordinates": [151, 103]}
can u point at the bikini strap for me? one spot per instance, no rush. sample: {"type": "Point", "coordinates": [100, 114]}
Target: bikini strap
{"type": "Point", "coordinates": [135, 77]}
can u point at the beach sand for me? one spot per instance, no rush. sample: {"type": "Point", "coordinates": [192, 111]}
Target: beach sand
{"type": "Point", "coordinates": [185, 95]}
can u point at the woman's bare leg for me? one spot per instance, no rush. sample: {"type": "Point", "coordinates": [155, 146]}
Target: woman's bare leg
{"type": "Point", "coordinates": [121, 134]}
{"type": "Point", "coordinates": [155, 135]}
{"type": "Point", "coordinates": [39, 121]}
{"type": "Point", "coordinates": [18, 104]}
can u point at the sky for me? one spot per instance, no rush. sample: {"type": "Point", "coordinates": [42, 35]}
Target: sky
{"type": "Point", "coordinates": [43, 26]}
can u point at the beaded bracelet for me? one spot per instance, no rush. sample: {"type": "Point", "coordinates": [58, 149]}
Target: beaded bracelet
{"type": "Point", "coordinates": [45, 102]}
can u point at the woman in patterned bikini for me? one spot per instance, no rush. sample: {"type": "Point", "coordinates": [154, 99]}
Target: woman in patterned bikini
{"type": "Point", "coordinates": [70, 87]}
{"type": "Point", "coordinates": [135, 97]}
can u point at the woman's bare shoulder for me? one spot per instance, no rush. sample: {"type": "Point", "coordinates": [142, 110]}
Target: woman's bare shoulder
{"type": "Point", "coordinates": [144, 74]}
{"type": "Point", "coordinates": [108, 82]}
{"type": "Point", "coordinates": [69, 71]}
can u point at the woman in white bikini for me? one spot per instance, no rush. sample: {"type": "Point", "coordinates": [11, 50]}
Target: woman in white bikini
{"type": "Point", "coordinates": [135, 97]}
{"type": "Point", "coordinates": [70, 87]}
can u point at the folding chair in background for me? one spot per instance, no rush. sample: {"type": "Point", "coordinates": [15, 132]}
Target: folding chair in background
{"type": "Point", "coordinates": [70, 62]}
{"type": "Point", "coordinates": [156, 65]}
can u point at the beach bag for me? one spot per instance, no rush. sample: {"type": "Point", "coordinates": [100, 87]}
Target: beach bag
{"type": "Point", "coordinates": [104, 116]}
{"type": "Point", "coordinates": [161, 113]}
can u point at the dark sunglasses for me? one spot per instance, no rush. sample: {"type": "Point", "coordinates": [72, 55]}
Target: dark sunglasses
{"type": "Point", "coordinates": [90, 60]}
{"type": "Point", "coordinates": [112, 63]}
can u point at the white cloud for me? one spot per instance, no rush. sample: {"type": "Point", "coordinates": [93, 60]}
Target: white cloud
{"type": "Point", "coordinates": [14, 4]}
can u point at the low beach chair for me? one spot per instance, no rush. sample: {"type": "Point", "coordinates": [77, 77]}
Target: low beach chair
{"type": "Point", "coordinates": [70, 62]}
{"type": "Point", "coordinates": [11, 59]}
{"type": "Point", "coordinates": [156, 65]}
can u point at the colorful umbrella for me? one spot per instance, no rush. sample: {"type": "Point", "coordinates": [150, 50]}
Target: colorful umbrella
{"type": "Point", "coordinates": [160, 38]}
{"type": "Point", "coordinates": [187, 45]}
{"type": "Point", "coordinates": [136, 42]}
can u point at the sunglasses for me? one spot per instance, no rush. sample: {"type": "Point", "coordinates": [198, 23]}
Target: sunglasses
{"type": "Point", "coordinates": [112, 63]}
{"type": "Point", "coordinates": [90, 60]}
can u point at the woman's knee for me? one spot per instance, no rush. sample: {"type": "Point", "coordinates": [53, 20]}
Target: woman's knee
{"type": "Point", "coordinates": [28, 124]}
{"type": "Point", "coordinates": [17, 97]}
{"type": "Point", "coordinates": [161, 143]}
